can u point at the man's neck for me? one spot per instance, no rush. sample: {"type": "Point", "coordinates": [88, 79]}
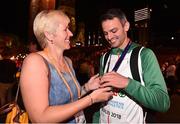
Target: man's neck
{"type": "Point", "coordinates": [126, 41]}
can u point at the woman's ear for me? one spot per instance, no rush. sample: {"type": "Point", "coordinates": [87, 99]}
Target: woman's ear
{"type": "Point", "coordinates": [126, 26]}
{"type": "Point", "coordinates": [49, 35]}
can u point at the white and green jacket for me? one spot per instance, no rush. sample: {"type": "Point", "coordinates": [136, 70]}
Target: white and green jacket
{"type": "Point", "coordinates": [151, 92]}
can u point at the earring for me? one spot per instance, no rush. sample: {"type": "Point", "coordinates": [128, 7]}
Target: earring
{"type": "Point", "coordinates": [51, 41]}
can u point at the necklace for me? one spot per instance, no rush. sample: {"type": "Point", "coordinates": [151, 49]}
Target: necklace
{"type": "Point", "coordinates": [54, 63]}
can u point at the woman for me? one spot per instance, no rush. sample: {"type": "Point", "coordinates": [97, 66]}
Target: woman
{"type": "Point", "coordinates": [48, 84]}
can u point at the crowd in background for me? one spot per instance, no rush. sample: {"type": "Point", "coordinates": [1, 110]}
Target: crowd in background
{"type": "Point", "coordinates": [86, 61]}
{"type": "Point", "coordinates": [171, 71]}
{"type": "Point", "coordinates": [10, 67]}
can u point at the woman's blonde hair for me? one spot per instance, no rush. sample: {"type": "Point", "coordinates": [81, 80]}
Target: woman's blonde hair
{"type": "Point", "coordinates": [46, 21]}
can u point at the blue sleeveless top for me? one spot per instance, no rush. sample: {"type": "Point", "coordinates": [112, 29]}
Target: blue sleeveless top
{"type": "Point", "coordinates": [58, 92]}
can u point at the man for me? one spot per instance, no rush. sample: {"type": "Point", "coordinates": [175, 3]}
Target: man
{"type": "Point", "coordinates": [130, 96]}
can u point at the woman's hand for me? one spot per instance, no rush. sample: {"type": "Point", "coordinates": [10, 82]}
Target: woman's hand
{"type": "Point", "coordinates": [101, 94]}
{"type": "Point", "coordinates": [93, 83]}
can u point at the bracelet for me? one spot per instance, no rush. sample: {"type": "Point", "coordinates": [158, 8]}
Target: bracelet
{"type": "Point", "coordinates": [91, 99]}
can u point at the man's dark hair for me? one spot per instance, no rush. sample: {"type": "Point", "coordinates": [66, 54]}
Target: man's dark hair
{"type": "Point", "coordinates": [112, 13]}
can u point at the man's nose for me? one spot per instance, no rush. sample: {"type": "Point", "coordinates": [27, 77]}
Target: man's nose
{"type": "Point", "coordinates": [109, 36]}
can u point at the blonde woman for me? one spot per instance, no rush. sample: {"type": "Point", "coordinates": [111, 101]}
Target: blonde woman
{"type": "Point", "coordinates": [50, 90]}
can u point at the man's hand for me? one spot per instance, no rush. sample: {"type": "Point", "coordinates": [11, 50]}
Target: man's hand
{"type": "Point", "coordinates": [114, 79]}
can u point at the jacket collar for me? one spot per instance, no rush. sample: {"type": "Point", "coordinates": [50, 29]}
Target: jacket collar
{"type": "Point", "coordinates": [116, 51]}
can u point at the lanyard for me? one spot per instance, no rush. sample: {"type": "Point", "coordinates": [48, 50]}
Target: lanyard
{"type": "Point", "coordinates": [119, 61]}
{"type": "Point", "coordinates": [54, 63]}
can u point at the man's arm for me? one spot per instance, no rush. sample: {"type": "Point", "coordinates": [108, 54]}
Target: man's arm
{"type": "Point", "coordinates": [154, 94]}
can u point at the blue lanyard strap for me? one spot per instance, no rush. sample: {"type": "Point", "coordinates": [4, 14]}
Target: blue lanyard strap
{"type": "Point", "coordinates": [119, 61]}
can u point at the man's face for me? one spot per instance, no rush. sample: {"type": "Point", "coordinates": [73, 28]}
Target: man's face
{"type": "Point", "coordinates": [114, 32]}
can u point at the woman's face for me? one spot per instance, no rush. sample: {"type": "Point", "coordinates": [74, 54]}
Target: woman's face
{"type": "Point", "coordinates": [63, 34]}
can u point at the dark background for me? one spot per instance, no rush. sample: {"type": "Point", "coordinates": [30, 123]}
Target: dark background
{"type": "Point", "coordinates": [14, 17]}
{"type": "Point", "coordinates": [164, 21]}
{"type": "Point", "coordinates": [165, 13]}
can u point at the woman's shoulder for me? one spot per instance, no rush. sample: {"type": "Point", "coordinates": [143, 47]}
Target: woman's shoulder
{"type": "Point", "coordinates": [33, 59]}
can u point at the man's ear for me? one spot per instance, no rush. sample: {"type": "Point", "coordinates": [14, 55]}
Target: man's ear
{"type": "Point", "coordinates": [126, 26]}
{"type": "Point", "coordinates": [49, 35]}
